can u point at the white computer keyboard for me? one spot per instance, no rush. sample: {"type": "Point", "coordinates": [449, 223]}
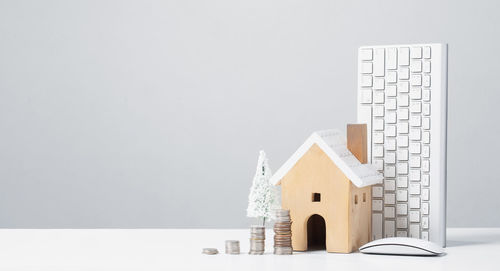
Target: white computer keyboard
{"type": "Point", "coordinates": [402, 96]}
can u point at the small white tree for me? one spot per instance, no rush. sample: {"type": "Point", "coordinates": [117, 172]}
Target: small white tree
{"type": "Point", "coordinates": [264, 197]}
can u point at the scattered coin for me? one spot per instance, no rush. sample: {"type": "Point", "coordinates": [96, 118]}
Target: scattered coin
{"type": "Point", "coordinates": [210, 251]}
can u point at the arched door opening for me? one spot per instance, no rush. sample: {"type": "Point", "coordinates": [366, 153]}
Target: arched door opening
{"type": "Point", "coordinates": [316, 233]}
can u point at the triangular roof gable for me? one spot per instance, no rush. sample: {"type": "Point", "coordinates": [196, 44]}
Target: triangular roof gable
{"type": "Point", "coordinates": [334, 145]}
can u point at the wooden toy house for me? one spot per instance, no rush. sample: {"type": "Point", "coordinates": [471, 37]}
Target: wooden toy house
{"type": "Point", "coordinates": [326, 185]}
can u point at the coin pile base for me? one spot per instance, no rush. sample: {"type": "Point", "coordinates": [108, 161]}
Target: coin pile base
{"type": "Point", "coordinates": [257, 240]}
{"type": "Point", "coordinates": [232, 247]}
{"type": "Point", "coordinates": [283, 233]}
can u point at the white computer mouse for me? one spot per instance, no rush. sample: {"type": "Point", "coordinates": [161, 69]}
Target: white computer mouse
{"type": "Point", "coordinates": [402, 246]}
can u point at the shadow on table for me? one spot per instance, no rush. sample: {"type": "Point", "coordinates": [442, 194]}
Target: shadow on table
{"type": "Point", "coordinates": [476, 239]}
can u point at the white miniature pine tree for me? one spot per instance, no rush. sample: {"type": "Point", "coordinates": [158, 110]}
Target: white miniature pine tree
{"type": "Point", "coordinates": [264, 197]}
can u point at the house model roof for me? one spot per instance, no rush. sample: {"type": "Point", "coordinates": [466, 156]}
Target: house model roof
{"type": "Point", "coordinates": [334, 145]}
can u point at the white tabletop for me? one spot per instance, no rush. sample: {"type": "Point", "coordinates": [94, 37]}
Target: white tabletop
{"type": "Point", "coordinates": [172, 249]}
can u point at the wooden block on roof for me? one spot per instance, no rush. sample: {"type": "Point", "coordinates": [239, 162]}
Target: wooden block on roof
{"type": "Point", "coordinates": [357, 141]}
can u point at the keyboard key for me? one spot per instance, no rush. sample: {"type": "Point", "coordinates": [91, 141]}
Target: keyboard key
{"type": "Point", "coordinates": [401, 234]}
{"type": "Point", "coordinates": [414, 202]}
{"type": "Point", "coordinates": [403, 87]}
{"type": "Point", "coordinates": [401, 195]}
{"type": "Point", "coordinates": [426, 151]}
{"type": "Point", "coordinates": [392, 77]}
{"type": "Point", "coordinates": [427, 52]}
{"type": "Point", "coordinates": [416, 52]}
{"type": "Point", "coordinates": [402, 155]}
{"type": "Point", "coordinates": [414, 230]}
{"type": "Point", "coordinates": [425, 179]}
{"type": "Point", "coordinates": [415, 134]}
{"type": "Point", "coordinates": [426, 123]}
{"type": "Point", "coordinates": [426, 80]}
{"type": "Point", "coordinates": [390, 117]}
{"type": "Point", "coordinates": [403, 141]}
{"type": "Point", "coordinates": [377, 205]}
{"type": "Point", "coordinates": [379, 164]}
{"type": "Point", "coordinates": [390, 172]}
{"type": "Point", "coordinates": [414, 176]}
{"type": "Point", "coordinates": [402, 168]}
{"type": "Point", "coordinates": [415, 147]}
{"type": "Point", "coordinates": [416, 107]}
{"type": "Point", "coordinates": [426, 95]}
{"type": "Point", "coordinates": [379, 62]}
{"type": "Point", "coordinates": [414, 216]}
{"type": "Point", "coordinates": [366, 67]}
{"type": "Point", "coordinates": [378, 151]}
{"type": "Point", "coordinates": [425, 166]}
{"type": "Point", "coordinates": [401, 209]}
{"type": "Point", "coordinates": [415, 161]}
{"type": "Point", "coordinates": [378, 97]}
{"type": "Point", "coordinates": [366, 54]}
{"type": "Point", "coordinates": [376, 226]}
{"type": "Point", "coordinates": [404, 73]}
{"type": "Point", "coordinates": [425, 235]}
{"type": "Point", "coordinates": [390, 199]}
{"type": "Point", "coordinates": [416, 66]}
{"type": "Point", "coordinates": [389, 212]}
{"type": "Point", "coordinates": [415, 121]}
{"type": "Point", "coordinates": [366, 96]}
{"type": "Point", "coordinates": [427, 66]}
{"type": "Point", "coordinates": [378, 111]}
{"type": "Point", "coordinates": [378, 83]}
{"type": "Point", "coordinates": [403, 113]}
{"type": "Point", "coordinates": [390, 130]}
{"type": "Point", "coordinates": [390, 91]}
{"type": "Point", "coordinates": [425, 208]}
{"type": "Point", "coordinates": [414, 188]}
{"type": "Point", "coordinates": [378, 124]}
{"type": "Point", "coordinates": [427, 109]}
{"type": "Point", "coordinates": [389, 228]}
{"type": "Point", "coordinates": [390, 104]}
{"type": "Point", "coordinates": [403, 127]}
{"type": "Point", "coordinates": [377, 192]}
{"type": "Point", "coordinates": [378, 137]}
{"type": "Point", "coordinates": [404, 56]}
{"type": "Point", "coordinates": [402, 182]}
{"type": "Point", "coordinates": [389, 185]}
{"type": "Point", "coordinates": [402, 222]}
{"type": "Point", "coordinates": [416, 93]}
{"type": "Point", "coordinates": [392, 58]}
{"type": "Point", "coordinates": [403, 100]}
{"type": "Point", "coordinates": [425, 222]}
{"type": "Point", "coordinates": [390, 157]}
{"type": "Point", "coordinates": [390, 144]}
{"type": "Point", "coordinates": [416, 79]}
{"type": "Point", "coordinates": [366, 81]}
{"type": "Point", "coordinates": [425, 194]}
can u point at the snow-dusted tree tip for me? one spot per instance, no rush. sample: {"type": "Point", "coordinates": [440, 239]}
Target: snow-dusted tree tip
{"type": "Point", "coordinates": [264, 197]}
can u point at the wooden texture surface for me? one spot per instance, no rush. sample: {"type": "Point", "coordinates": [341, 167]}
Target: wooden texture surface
{"type": "Point", "coordinates": [345, 208]}
{"type": "Point", "coordinates": [360, 213]}
{"type": "Point", "coordinates": [316, 173]}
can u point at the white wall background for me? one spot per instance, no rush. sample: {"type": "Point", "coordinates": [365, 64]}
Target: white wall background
{"type": "Point", "coordinates": [151, 113]}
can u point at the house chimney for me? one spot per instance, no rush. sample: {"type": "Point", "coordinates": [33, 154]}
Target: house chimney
{"type": "Point", "coordinates": [356, 141]}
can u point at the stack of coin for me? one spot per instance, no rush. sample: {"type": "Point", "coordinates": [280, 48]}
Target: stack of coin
{"type": "Point", "coordinates": [283, 233]}
{"type": "Point", "coordinates": [210, 251]}
{"type": "Point", "coordinates": [257, 240]}
{"type": "Point", "coordinates": [232, 247]}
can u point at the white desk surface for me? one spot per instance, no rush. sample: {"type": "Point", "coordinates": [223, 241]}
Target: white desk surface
{"type": "Point", "coordinates": [171, 249]}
